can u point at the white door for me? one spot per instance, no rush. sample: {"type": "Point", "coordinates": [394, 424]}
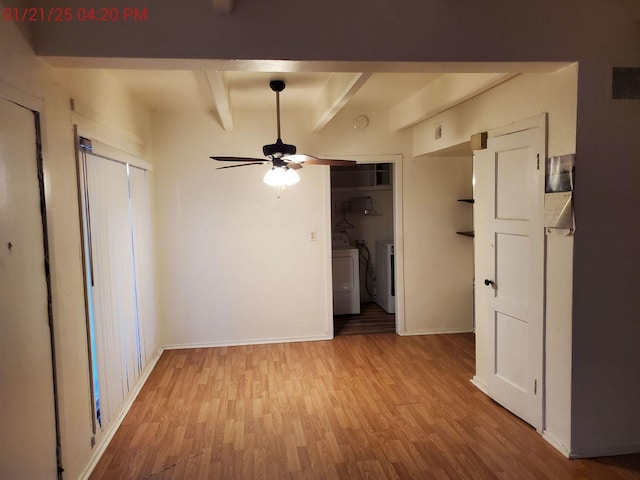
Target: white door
{"type": "Point", "coordinates": [27, 421]}
{"type": "Point", "coordinates": [514, 269]}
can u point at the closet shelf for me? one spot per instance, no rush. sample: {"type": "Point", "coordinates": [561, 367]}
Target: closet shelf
{"type": "Point", "coordinates": [468, 233]}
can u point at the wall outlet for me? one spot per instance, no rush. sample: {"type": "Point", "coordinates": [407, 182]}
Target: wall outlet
{"type": "Point", "coordinates": [313, 236]}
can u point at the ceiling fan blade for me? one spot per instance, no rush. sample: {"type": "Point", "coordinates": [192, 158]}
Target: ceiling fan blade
{"type": "Point", "coordinates": [310, 160]}
{"type": "Point", "coordinates": [241, 165]}
{"type": "Point", "coordinates": [328, 161]}
{"type": "Point", "coordinates": [298, 158]}
{"type": "Point", "coordinates": [238, 159]}
{"type": "Point", "coordinates": [294, 166]}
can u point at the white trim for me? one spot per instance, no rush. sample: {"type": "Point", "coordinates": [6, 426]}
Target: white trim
{"type": "Point", "coordinates": [328, 257]}
{"type": "Point", "coordinates": [539, 121]}
{"type": "Point", "coordinates": [112, 153]}
{"type": "Point", "coordinates": [115, 425]}
{"type": "Point", "coordinates": [436, 331]}
{"type": "Point", "coordinates": [20, 97]}
{"type": "Point", "coordinates": [555, 443]}
{"type": "Point", "coordinates": [250, 341]}
{"type": "Point", "coordinates": [220, 94]}
{"type": "Point", "coordinates": [605, 452]}
{"type": "Point", "coordinates": [92, 124]}
{"type": "Point", "coordinates": [330, 106]}
{"type": "Point", "coordinates": [479, 385]}
{"type": "Point", "coordinates": [386, 158]}
{"type": "Point", "coordinates": [398, 241]}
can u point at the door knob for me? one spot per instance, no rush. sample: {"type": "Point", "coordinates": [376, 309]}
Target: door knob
{"type": "Point", "coordinates": [488, 282]}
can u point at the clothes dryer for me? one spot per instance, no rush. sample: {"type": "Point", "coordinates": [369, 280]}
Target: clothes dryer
{"type": "Point", "coordinates": [346, 281]}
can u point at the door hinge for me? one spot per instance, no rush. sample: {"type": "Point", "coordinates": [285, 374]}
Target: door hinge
{"type": "Point", "coordinates": [535, 387]}
{"type": "Point", "coordinates": [538, 162]}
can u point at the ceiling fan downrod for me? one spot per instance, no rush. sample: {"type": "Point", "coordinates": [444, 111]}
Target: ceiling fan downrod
{"type": "Point", "coordinates": [277, 86]}
{"type": "Point", "coordinates": [278, 149]}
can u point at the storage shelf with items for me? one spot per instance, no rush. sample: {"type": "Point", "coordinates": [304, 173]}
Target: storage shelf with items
{"type": "Point", "coordinates": [362, 177]}
{"type": "Point", "coordinates": [466, 233]}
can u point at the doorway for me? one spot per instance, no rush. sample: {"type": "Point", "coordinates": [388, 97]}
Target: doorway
{"type": "Point", "coordinates": [364, 218]}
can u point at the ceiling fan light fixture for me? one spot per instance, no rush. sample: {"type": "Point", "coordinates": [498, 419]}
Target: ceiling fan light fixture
{"type": "Point", "coordinates": [281, 177]}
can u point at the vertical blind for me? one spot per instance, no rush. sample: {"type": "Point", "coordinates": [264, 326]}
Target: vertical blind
{"type": "Point", "coordinates": [117, 230]}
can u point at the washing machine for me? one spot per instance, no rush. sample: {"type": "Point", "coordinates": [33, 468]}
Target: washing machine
{"type": "Point", "coordinates": [346, 277]}
{"type": "Point", "coordinates": [385, 276]}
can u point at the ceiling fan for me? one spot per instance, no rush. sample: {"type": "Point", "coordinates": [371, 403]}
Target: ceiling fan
{"type": "Point", "coordinates": [283, 157]}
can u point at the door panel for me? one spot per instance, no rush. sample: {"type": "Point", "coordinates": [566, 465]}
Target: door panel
{"type": "Point", "coordinates": [514, 269]}
{"type": "Point", "coordinates": [511, 186]}
{"type": "Point", "coordinates": [511, 340]}
{"type": "Point", "coordinates": [27, 419]}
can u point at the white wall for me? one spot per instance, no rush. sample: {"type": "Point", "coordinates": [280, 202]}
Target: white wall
{"type": "Point", "coordinates": [235, 263]}
{"type": "Point", "coordinates": [523, 97]}
{"type": "Point", "coordinates": [439, 263]}
{"type": "Point", "coordinates": [25, 78]}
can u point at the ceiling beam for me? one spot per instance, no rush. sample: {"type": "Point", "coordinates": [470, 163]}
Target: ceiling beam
{"type": "Point", "coordinates": [222, 6]}
{"type": "Point", "coordinates": [444, 92]}
{"type": "Point", "coordinates": [218, 87]}
{"type": "Point", "coordinates": [336, 95]}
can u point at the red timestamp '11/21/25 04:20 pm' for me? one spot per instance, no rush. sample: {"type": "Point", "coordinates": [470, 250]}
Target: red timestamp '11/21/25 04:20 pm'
{"type": "Point", "coordinates": [77, 14]}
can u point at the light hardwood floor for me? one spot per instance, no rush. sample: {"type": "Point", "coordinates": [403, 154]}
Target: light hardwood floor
{"type": "Point", "coordinates": [371, 319]}
{"type": "Point", "coordinates": [363, 406]}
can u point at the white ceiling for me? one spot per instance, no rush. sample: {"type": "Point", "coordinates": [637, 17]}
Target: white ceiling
{"type": "Point", "coordinates": [187, 89]}
{"type": "Point", "coordinates": [408, 92]}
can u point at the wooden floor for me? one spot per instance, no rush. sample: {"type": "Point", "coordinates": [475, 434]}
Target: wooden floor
{"type": "Point", "coordinates": [364, 406]}
{"type": "Point", "coordinates": [371, 319]}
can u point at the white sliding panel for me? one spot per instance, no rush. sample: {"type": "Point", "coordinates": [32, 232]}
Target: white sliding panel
{"type": "Point", "coordinates": [143, 254]}
{"type": "Point", "coordinates": [113, 290]}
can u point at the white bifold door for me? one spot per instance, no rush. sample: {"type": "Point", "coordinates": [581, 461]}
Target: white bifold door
{"type": "Point", "coordinates": [513, 274]}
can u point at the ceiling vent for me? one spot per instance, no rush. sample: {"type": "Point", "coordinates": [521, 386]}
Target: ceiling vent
{"type": "Point", "coordinates": [626, 83]}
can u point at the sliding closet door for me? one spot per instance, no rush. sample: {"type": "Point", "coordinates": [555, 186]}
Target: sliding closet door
{"type": "Point", "coordinates": [117, 333]}
{"type": "Point", "coordinates": [141, 230]}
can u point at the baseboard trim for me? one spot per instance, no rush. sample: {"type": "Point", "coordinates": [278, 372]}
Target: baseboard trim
{"type": "Point", "coordinates": [604, 452]}
{"type": "Point", "coordinates": [435, 332]}
{"type": "Point", "coordinates": [253, 341]}
{"type": "Point", "coordinates": [557, 444]}
{"type": "Point", "coordinates": [113, 428]}
{"type": "Point", "coordinates": [479, 385]}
